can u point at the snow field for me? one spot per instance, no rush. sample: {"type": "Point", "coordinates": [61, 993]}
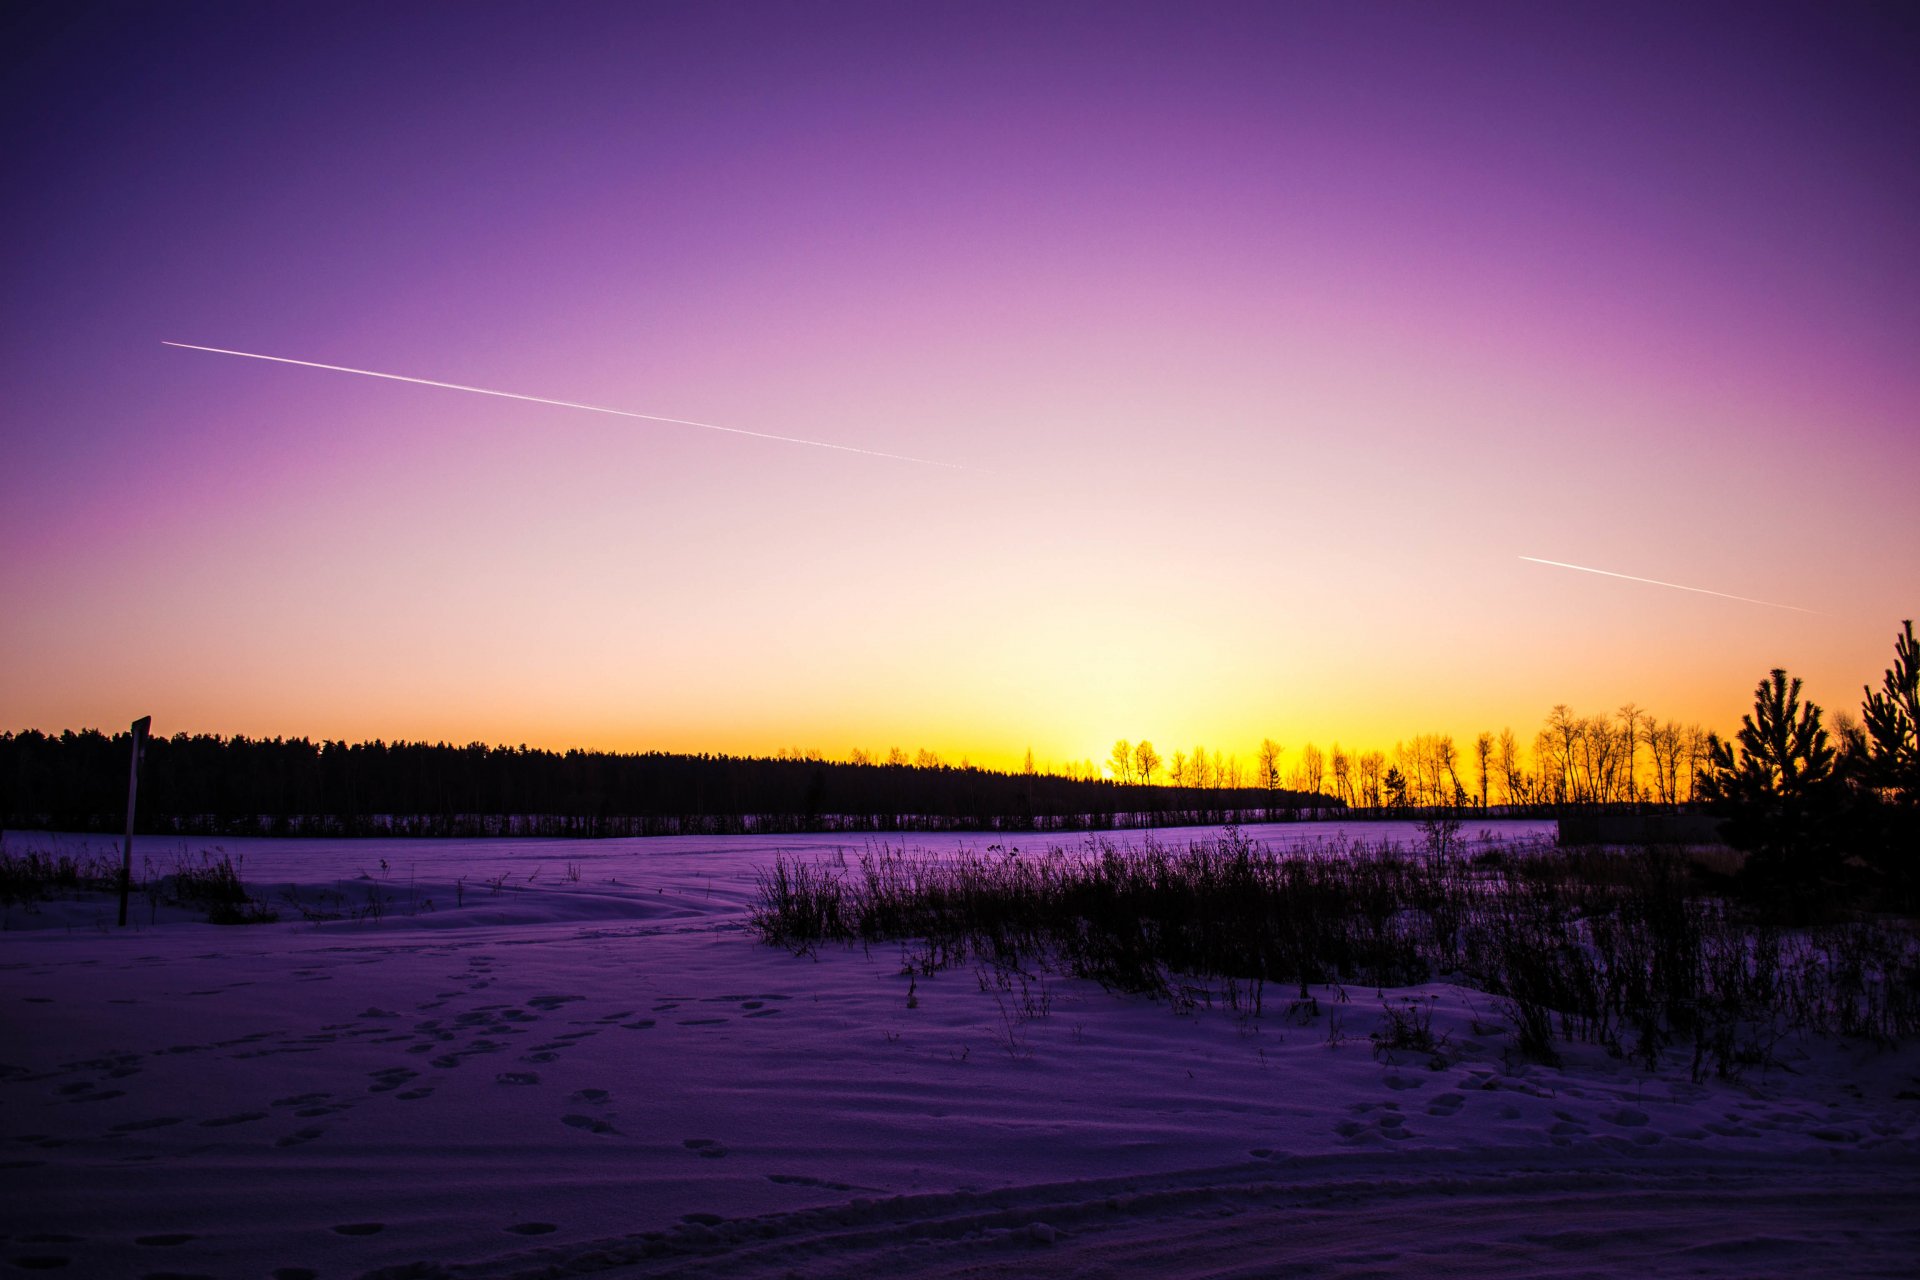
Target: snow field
{"type": "Point", "coordinates": [595, 1066]}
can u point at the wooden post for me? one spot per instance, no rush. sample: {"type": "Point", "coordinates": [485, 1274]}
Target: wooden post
{"type": "Point", "coordinates": [133, 788]}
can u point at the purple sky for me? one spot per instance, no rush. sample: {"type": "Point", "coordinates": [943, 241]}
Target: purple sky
{"type": "Point", "coordinates": [1273, 336]}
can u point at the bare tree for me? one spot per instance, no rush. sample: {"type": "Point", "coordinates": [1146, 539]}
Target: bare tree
{"type": "Point", "coordinates": [1120, 760]}
{"type": "Point", "coordinates": [1447, 759]}
{"type": "Point", "coordinates": [1342, 766]}
{"type": "Point", "coordinates": [1177, 768]}
{"type": "Point", "coordinates": [1513, 780]}
{"type": "Point", "coordinates": [1631, 718]}
{"type": "Point", "coordinates": [1666, 743]}
{"type": "Point", "coordinates": [1145, 761]}
{"type": "Point", "coordinates": [1313, 768]}
{"type": "Point", "coordinates": [1372, 766]}
{"type": "Point", "coordinates": [1554, 751]}
{"type": "Point", "coordinates": [1200, 769]}
{"type": "Point", "coordinates": [1696, 753]}
{"type": "Point", "coordinates": [1483, 762]}
{"type": "Point", "coordinates": [1268, 767]}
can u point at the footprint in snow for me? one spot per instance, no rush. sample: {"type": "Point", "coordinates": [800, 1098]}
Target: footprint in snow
{"type": "Point", "coordinates": [360, 1228]}
{"type": "Point", "coordinates": [390, 1079]}
{"type": "Point", "coordinates": [242, 1117]}
{"type": "Point", "coordinates": [532, 1228]}
{"type": "Point", "coordinates": [551, 1003]}
{"type": "Point", "coordinates": [592, 1124]}
{"type": "Point", "coordinates": [1446, 1104]}
{"type": "Point", "coordinates": [299, 1137]}
{"type": "Point", "coordinates": [301, 1099]}
{"type": "Point", "coordinates": [165, 1239]}
{"type": "Point", "coordinates": [707, 1148]}
{"type": "Point", "coordinates": [596, 1097]}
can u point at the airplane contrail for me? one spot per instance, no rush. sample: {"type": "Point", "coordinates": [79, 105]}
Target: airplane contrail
{"type": "Point", "coordinates": [1608, 573]}
{"type": "Point", "coordinates": [573, 404]}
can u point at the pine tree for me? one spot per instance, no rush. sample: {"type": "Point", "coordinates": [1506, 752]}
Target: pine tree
{"type": "Point", "coordinates": [1893, 725]}
{"type": "Point", "coordinates": [1778, 792]}
{"type": "Point", "coordinates": [1889, 770]}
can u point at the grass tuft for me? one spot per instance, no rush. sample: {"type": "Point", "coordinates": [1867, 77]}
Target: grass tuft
{"type": "Point", "coordinates": [1639, 952]}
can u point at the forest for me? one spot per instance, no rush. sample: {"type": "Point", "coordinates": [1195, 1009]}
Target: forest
{"type": "Point", "coordinates": [212, 785]}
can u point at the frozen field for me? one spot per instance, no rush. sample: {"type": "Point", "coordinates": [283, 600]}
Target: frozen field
{"type": "Point", "coordinates": [525, 1058]}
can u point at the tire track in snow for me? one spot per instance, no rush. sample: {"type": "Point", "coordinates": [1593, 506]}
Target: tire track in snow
{"type": "Point", "coordinates": [1316, 1217]}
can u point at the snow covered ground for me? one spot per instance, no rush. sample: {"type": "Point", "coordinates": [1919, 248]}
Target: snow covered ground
{"type": "Point", "coordinates": [527, 1058]}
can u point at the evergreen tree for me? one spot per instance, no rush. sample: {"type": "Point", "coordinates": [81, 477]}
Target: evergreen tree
{"type": "Point", "coordinates": [1892, 718]}
{"type": "Point", "coordinates": [1889, 768]}
{"type": "Point", "coordinates": [1778, 792]}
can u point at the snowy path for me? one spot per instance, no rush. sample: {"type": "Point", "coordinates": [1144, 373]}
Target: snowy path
{"type": "Point", "coordinates": [578, 1074]}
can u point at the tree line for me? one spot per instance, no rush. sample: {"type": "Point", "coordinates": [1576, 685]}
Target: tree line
{"type": "Point", "coordinates": [1627, 758]}
{"type": "Point", "coordinates": [213, 785]}
{"type": "Point", "coordinates": [207, 784]}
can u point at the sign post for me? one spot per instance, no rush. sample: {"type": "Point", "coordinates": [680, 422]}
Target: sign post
{"type": "Point", "coordinates": [133, 788]}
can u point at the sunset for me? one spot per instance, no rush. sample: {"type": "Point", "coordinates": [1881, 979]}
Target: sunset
{"type": "Point", "coordinates": [1261, 344]}
{"type": "Point", "coordinates": [689, 492]}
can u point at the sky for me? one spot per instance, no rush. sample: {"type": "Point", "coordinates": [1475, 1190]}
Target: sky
{"type": "Point", "coordinates": [1259, 344]}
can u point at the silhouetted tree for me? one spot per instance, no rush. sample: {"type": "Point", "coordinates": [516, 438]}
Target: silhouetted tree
{"type": "Point", "coordinates": [1342, 766]}
{"type": "Point", "coordinates": [1267, 766]}
{"type": "Point", "coordinates": [1313, 767]}
{"type": "Point", "coordinates": [1889, 766]}
{"type": "Point", "coordinates": [1631, 718]}
{"type": "Point", "coordinates": [1778, 792]}
{"type": "Point", "coordinates": [1145, 761]}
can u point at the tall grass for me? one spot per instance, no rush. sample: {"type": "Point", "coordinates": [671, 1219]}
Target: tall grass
{"type": "Point", "coordinates": [210, 883]}
{"type": "Point", "coordinates": [1639, 952]}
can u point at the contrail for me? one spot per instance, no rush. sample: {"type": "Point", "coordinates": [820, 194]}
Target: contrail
{"type": "Point", "coordinates": [1607, 573]}
{"type": "Point", "coordinates": [572, 404]}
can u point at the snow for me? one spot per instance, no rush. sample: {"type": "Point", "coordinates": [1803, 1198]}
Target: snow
{"type": "Point", "coordinates": [595, 1066]}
